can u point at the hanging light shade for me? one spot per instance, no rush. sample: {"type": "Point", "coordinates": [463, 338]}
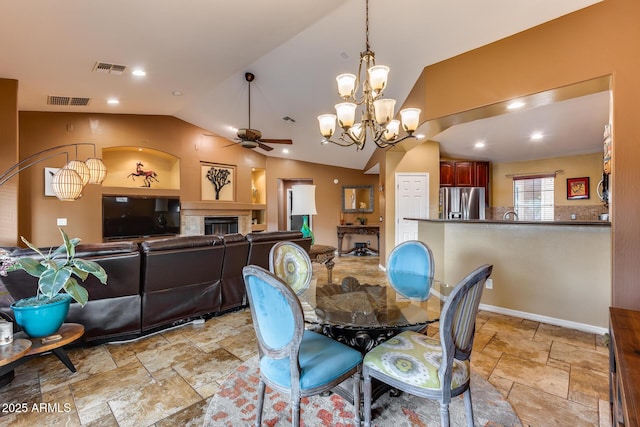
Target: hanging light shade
{"type": "Point", "coordinates": [67, 184]}
{"type": "Point", "coordinates": [97, 170]}
{"type": "Point", "coordinates": [81, 168]}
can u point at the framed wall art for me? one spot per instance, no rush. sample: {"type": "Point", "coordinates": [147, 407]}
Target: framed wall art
{"type": "Point", "coordinates": [218, 182]}
{"type": "Point", "coordinates": [48, 177]}
{"type": "Point", "coordinates": [578, 188]}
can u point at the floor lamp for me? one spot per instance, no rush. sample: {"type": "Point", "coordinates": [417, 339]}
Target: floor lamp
{"type": "Point", "coordinates": [69, 181]}
{"type": "Point", "coordinates": [304, 203]}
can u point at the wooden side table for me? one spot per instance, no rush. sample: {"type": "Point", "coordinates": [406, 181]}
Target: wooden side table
{"type": "Point", "coordinates": [323, 254]}
{"type": "Point", "coordinates": [25, 348]}
{"type": "Point", "coordinates": [10, 353]}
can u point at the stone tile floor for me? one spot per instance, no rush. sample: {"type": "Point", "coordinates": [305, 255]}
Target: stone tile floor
{"type": "Point", "coordinates": [551, 375]}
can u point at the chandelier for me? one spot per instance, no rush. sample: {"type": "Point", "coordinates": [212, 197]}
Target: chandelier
{"type": "Point", "coordinates": [377, 113]}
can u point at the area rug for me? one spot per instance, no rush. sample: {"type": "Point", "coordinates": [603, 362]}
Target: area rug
{"type": "Point", "coordinates": [235, 405]}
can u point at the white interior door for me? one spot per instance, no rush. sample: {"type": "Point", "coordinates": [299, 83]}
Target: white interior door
{"type": "Point", "coordinates": [412, 201]}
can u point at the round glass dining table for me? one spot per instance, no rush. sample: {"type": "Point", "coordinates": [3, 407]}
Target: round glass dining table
{"type": "Point", "coordinates": [363, 315]}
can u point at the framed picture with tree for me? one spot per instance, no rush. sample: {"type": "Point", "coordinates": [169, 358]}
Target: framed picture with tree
{"type": "Point", "coordinates": [218, 182]}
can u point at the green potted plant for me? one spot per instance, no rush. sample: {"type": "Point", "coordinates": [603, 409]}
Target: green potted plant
{"type": "Point", "coordinates": [44, 313]}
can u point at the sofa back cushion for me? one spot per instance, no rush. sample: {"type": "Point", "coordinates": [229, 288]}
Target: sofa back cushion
{"type": "Point", "coordinates": [180, 278]}
{"type": "Point", "coordinates": [235, 258]}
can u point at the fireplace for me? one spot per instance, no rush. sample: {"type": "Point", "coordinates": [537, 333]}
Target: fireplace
{"type": "Point", "coordinates": [220, 225]}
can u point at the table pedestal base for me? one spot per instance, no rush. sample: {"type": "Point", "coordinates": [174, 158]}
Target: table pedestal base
{"type": "Point", "coordinates": [7, 378]}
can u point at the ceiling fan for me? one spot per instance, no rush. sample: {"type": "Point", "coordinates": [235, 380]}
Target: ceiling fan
{"type": "Point", "coordinates": [252, 138]}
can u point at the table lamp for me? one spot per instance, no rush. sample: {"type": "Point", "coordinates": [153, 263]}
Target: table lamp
{"type": "Point", "coordinates": [304, 203]}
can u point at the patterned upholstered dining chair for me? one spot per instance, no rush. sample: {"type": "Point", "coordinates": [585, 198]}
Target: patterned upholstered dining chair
{"type": "Point", "coordinates": [410, 269]}
{"type": "Point", "coordinates": [294, 361]}
{"type": "Point", "coordinates": [291, 263]}
{"type": "Point", "coordinates": [425, 367]}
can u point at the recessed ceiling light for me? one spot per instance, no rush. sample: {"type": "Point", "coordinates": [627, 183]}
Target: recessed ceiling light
{"type": "Point", "coordinates": [113, 101]}
{"type": "Point", "coordinates": [536, 136]}
{"type": "Point", "coordinates": [139, 72]}
{"type": "Point", "coordinates": [285, 150]}
{"type": "Point", "coordinates": [479, 144]}
{"type": "Point", "coordinates": [419, 136]}
{"type": "Point", "coordinates": [515, 105]}
{"type": "Point", "coordinates": [233, 129]}
{"type": "Point", "coordinates": [176, 93]}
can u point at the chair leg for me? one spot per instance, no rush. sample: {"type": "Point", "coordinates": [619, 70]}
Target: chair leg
{"type": "Point", "coordinates": [468, 406]}
{"type": "Point", "coordinates": [444, 414]}
{"type": "Point", "coordinates": [366, 389]}
{"type": "Point", "coordinates": [261, 387]}
{"type": "Point", "coordinates": [295, 412]}
{"type": "Point", "coordinates": [356, 397]}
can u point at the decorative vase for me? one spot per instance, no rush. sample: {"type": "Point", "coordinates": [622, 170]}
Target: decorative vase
{"type": "Point", "coordinates": [306, 231]}
{"type": "Point", "coordinates": [41, 320]}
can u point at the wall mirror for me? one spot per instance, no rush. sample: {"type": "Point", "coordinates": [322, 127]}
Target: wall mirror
{"type": "Point", "coordinates": [357, 198]}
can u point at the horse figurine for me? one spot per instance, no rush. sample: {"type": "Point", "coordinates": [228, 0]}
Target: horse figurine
{"type": "Point", "coordinates": [148, 175]}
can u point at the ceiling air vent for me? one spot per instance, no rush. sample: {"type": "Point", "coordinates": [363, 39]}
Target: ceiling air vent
{"type": "Point", "coordinates": [67, 100]}
{"type": "Point", "coordinates": [105, 67]}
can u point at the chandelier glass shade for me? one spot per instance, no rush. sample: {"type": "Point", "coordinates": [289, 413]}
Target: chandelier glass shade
{"type": "Point", "coordinates": [377, 117]}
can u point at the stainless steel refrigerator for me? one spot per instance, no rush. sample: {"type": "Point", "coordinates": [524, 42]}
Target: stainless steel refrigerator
{"type": "Point", "coordinates": [462, 203]}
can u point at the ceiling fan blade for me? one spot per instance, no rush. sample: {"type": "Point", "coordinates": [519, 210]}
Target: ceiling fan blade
{"type": "Point", "coordinates": [264, 146]}
{"type": "Point", "coordinates": [276, 141]}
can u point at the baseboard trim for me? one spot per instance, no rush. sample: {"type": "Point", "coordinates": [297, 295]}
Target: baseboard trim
{"type": "Point", "coordinates": [536, 317]}
{"type": "Point", "coordinates": [545, 319]}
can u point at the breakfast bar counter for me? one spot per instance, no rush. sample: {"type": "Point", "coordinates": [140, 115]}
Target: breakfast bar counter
{"type": "Point", "coordinates": [511, 222]}
{"type": "Point", "coordinates": [554, 272]}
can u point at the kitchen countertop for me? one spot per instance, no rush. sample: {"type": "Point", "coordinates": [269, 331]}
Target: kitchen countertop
{"type": "Point", "coordinates": [508, 222]}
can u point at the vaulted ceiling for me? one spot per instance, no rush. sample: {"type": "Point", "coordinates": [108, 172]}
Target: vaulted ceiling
{"type": "Point", "coordinates": [195, 54]}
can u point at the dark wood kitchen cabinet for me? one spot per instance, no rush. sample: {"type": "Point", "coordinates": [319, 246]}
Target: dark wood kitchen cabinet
{"type": "Point", "coordinates": [447, 174]}
{"type": "Point", "coordinates": [465, 174]}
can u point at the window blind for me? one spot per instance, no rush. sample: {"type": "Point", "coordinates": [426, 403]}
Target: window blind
{"type": "Point", "coordinates": [533, 198]}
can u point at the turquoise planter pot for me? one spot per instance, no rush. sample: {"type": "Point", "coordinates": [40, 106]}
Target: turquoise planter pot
{"type": "Point", "coordinates": [41, 320]}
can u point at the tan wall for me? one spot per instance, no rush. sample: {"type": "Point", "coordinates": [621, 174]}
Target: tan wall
{"type": "Point", "coordinates": [560, 272]}
{"type": "Point", "coordinates": [328, 197]}
{"type": "Point", "coordinates": [8, 156]}
{"type": "Point", "coordinates": [423, 158]}
{"type": "Point", "coordinates": [592, 42]}
{"type": "Point", "coordinates": [40, 130]}
{"type": "Point", "coordinates": [588, 165]}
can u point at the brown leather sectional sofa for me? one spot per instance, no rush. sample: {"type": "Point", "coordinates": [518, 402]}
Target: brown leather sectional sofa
{"type": "Point", "coordinates": [159, 283]}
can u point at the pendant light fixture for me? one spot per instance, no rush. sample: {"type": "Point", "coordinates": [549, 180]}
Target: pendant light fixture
{"type": "Point", "coordinates": [377, 119]}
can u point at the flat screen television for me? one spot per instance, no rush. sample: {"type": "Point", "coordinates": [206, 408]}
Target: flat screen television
{"type": "Point", "coordinates": [126, 217]}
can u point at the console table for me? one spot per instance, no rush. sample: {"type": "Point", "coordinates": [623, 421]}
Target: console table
{"type": "Point", "coordinates": [624, 361]}
{"type": "Point", "coordinates": [357, 229]}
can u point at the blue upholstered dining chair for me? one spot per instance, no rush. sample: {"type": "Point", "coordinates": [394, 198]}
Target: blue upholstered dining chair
{"type": "Point", "coordinates": [291, 263]}
{"type": "Point", "coordinates": [293, 360]}
{"type": "Point", "coordinates": [426, 367]}
{"type": "Point", "coordinates": [410, 269]}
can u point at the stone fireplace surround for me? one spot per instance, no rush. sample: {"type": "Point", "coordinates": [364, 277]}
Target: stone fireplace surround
{"type": "Point", "coordinates": [192, 215]}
